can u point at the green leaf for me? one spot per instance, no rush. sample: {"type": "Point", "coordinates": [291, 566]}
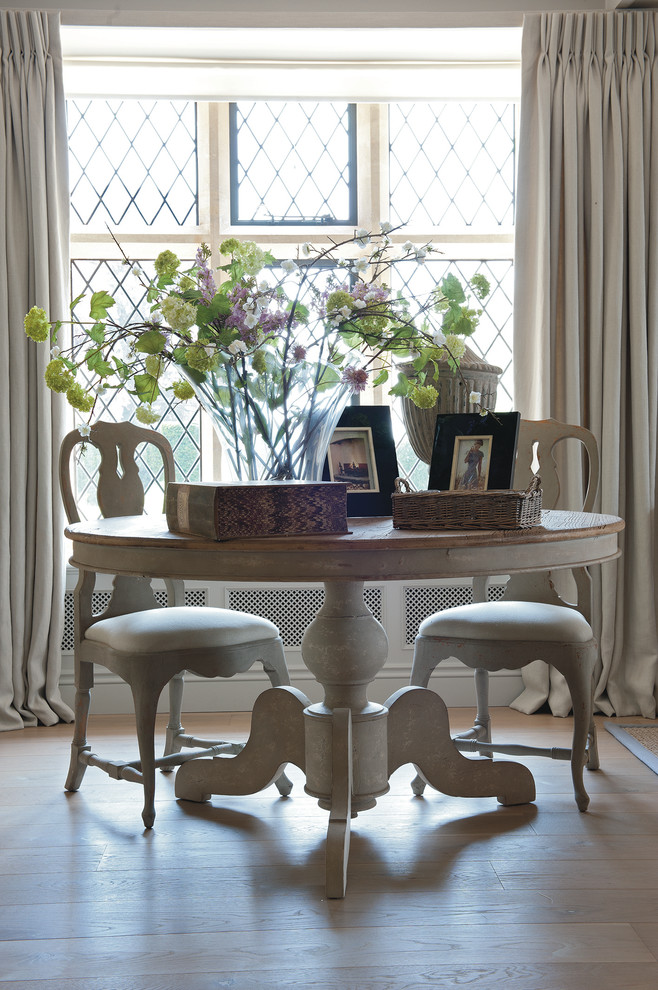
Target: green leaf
{"type": "Point", "coordinates": [146, 387]}
{"type": "Point", "coordinates": [77, 300]}
{"type": "Point", "coordinates": [150, 342]}
{"type": "Point", "coordinates": [402, 387]}
{"type": "Point", "coordinates": [328, 378]}
{"type": "Point", "coordinates": [123, 370]}
{"type": "Point", "coordinates": [453, 289]}
{"type": "Point", "coordinates": [97, 333]}
{"type": "Point", "coordinates": [96, 362]}
{"type": "Point", "coordinates": [100, 303]}
{"type": "Point", "coordinates": [381, 378]}
{"type": "Point", "coordinates": [217, 307]}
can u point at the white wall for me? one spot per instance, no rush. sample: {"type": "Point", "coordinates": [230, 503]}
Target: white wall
{"type": "Point", "coordinates": [307, 13]}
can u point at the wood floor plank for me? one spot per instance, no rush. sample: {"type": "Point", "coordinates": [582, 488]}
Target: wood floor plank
{"type": "Point", "coordinates": [361, 947]}
{"type": "Point", "coordinates": [442, 892]}
{"type": "Point", "coordinates": [553, 976]}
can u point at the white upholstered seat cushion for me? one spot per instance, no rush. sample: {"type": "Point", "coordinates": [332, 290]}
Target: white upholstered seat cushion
{"type": "Point", "coordinates": [509, 621]}
{"type": "Point", "coordinates": [180, 628]}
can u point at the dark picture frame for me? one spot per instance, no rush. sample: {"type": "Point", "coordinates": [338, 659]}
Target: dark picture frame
{"type": "Point", "coordinates": [473, 452]}
{"type": "Point", "coordinates": [362, 453]}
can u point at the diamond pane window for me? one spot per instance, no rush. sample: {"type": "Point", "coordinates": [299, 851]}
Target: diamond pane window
{"type": "Point", "coordinates": [181, 420]}
{"type": "Point", "coordinates": [293, 163]}
{"type": "Point", "coordinates": [452, 165]}
{"type": "Point", "coordinates": [132, 162]}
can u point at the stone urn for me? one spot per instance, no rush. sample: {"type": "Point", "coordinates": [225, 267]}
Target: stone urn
{"type": "Point", "coordinates": [453, 398]}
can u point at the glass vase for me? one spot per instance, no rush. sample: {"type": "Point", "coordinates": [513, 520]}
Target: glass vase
{"type": "Point", "coordinates": [274, 427]}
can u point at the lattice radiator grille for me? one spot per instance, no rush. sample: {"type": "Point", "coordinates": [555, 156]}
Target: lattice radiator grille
{"type": "Point", "coordinates": [292, 609]}
{"type": "Point", "coordinates": [419, 602]}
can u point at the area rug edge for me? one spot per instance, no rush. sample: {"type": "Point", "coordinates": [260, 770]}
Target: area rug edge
{"type": "Point", "coordinates": [632, 744]}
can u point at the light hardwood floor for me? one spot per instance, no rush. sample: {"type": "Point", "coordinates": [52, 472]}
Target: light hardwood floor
{"type": "Point", "coordinates": [442, 892]}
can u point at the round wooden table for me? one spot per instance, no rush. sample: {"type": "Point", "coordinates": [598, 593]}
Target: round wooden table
{"type": "Point", "coordinates": [347, 746]}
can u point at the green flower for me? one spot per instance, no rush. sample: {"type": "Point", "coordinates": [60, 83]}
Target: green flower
{"type": "Point", "coordinates": [166, 264]}
{"type": "Point", "coordinates": [145, 414]}
{"type": "Point", "coordinates": [229, 246]}
{"type": "Point", "coordinates": [455, 345]}
{"type": "Point", "coordinates": [36, 324]}
{"type": "Point", "coordinates": [480, 286]}
{"type": "Point", "coordinates": [57, 376]}
{"type": "Point", "coordinates": [79, 399]}
{"type": "Point", "coordinates": [182, 390]}
{"type": "Point", "coordinates": [338, 299]}
{"type": "Point", "coordinates": [154, 365]}
{"type": "Point", "coordinates": [423, 396]}
{"type": "Point", "coordinates": [251, 257]}
{"type": "Point", "coordinates": [179, 314]}
{"type": "Point", "coordinates": [198, 358]}
{"type": "Point", "coordinates": [258, 362]}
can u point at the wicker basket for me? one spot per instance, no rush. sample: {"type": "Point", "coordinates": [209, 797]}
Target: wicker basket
{"type": "Point", "coordinates": [498, 509]}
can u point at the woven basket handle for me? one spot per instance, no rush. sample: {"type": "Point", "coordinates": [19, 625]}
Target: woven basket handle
{"type": "Point", "coordinates": [402, 485]}
{"type": "Point", "coordinates": [534, 486]}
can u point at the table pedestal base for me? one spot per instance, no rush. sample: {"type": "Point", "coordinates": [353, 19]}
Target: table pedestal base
{"type": "Point", "coordinates": [348, 759]}
{"type": "Point", "coordinates": [347, 746]}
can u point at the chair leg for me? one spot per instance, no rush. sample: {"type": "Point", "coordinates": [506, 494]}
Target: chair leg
{"type": "Point", "coordinates": [593, 762]}
{"type": "Point", "coordinates": [175, 728]}
{"type": "Point", "coordinates": [145, 697]}
{"type": "Point", "coordinates": [84, 678]}
{"type": "Point", "coordinates": [276, 667]}
{"type": "Point", "coordinates": [578, 672]}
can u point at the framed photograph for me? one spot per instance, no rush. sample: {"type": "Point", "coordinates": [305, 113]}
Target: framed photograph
{"type": "Point", "coordinates": [362, 454]}
{"type": "Point", "coordinates": [473, 452]}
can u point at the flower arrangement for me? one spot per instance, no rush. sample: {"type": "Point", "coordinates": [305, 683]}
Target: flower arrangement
{"type": "Point", "coordinates": [278, 335]}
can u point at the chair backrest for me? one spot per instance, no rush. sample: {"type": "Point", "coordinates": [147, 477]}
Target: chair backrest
{"type": "Point", "coordinates": [548, 434]}
{"type": "Point", "coordinates": [119, 489]}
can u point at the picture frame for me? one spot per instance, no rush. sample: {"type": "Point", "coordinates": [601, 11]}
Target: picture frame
{"type": "Point", "coordinates": [362, 453]}
{"type": "Point", "coordinates": [473, 452]}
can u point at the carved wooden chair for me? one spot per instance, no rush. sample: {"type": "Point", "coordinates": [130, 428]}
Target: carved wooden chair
{"type": "Point", "coordinates": [147, 645]}
{"type": "Point", "coordinates": [531, 623]}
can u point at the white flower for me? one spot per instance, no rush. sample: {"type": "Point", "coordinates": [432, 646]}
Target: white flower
{"type": "Point", "coordinates": [345, 312]}
{"type": "Point", "coordinates": [360, 304]}
{"type": "Point", "coordinates": [421, 254]}
{"type": "Point", "coordinates": [360, 265]}
{"type": "Point", "coordinates": [289, 265]}
{"type": "Point", "coordinates": [362, 236]}
{"type": "Point", "coordinates": [209, 349]}
{"type": "Point", "coordinates": [408, 246]}
{"type": "Point", "coordinates": [385, 226]}
{"type": "Point", "coordinates": [307, 249]}
{"type": "Point", "coordinates": [84, 429]}
{"type": "Point", "coordinates": [156, 317]}
{"type": "Point", "coordinates": [439, 338]}
{"type": "Point", "coordinates": [369, 296]}
{"type": "Point", "coordinates": [475, 397]}
{"type": "Point", "coordinates": [237, 347]}
{"type": "Point", "coordinates": [250, 320]}
{"type": "Point", "coordinates": [263, 286]}
{"type": "Point", "coordinates": [55, 351]}
{"type": "Point", "coordinates": [101, 390]}
{"type": "Point", "coordinates": [137, 271]}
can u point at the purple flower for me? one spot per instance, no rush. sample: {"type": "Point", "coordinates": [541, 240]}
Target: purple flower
{"type": "Point", "coordinates": [356, 378]}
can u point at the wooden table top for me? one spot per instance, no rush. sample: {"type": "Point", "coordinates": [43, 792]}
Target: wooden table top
{"type": "Point", "coordinates": [371, 550]}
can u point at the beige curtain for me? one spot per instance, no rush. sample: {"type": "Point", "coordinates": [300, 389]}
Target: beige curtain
{"type": "Point", "coordinates": [586, 304]}
{"type": "Point", "coordinates": [33, 270]}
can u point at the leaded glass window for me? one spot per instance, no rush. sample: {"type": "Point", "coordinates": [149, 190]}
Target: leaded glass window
{"type": "Point", "coordinates": [452, 165]}
{"type": "Point", "coordinates": [132, 163]}
{"type": "Point", "coordinates": [293, 163]}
